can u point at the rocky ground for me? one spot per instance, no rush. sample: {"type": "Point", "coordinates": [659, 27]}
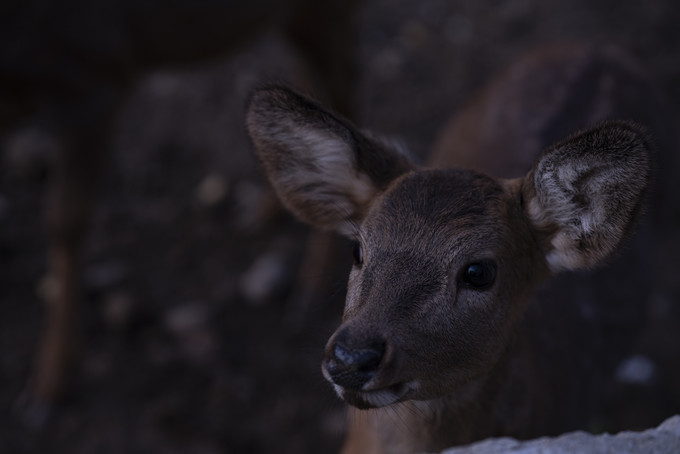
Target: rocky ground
{"type": "Point", "coordinates": [659, 440]}
{"type": "Point", "coordinates": [192, 342]}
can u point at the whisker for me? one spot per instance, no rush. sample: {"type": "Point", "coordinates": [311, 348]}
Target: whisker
{"type": "Point", "coordinates": [398, 411]}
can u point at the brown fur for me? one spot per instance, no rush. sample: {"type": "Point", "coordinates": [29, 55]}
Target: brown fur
{"type": "Point", "coordinates": [456, 362]}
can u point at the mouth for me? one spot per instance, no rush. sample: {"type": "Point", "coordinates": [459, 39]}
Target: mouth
{"type": "Point", "coordinates": [376, 398]}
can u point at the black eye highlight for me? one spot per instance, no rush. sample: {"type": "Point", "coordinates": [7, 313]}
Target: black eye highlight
{"type": "Point", "coordinates": [358, 254]}
{"type": "Point", "coordinates": [479, 275]}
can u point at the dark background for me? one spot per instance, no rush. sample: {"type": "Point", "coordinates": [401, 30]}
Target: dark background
{"type": "Point", "coordinates": [181, 353]}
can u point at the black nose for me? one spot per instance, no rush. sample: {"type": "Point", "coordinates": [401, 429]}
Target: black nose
{"type": "Point", "coordinates": [352, 366]}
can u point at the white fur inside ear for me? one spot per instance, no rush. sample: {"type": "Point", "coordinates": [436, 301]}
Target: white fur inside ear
{"type": "Point", "coordinates": [558, 188]}
{"type": "Point", "coordinates": [585, 194]}
{"type": "Point", "coordinates": [326, 172]}
{"type": "Point", "coordinates": [563, 257]}
{"type": "Point", "coordinates": [559, 258]}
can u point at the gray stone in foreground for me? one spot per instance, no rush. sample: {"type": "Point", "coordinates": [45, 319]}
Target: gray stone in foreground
{"type": "Point", "coordinates": [664, 439]}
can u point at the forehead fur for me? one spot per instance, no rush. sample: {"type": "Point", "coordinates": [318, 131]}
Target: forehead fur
{"type": "Point", "coordinates": [435, 202]}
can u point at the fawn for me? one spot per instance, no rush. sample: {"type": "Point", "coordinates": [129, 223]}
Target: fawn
{"type": "Point", "coordinates": [451, 325]}
{"type": "Point", "coordinates": [68, 69]}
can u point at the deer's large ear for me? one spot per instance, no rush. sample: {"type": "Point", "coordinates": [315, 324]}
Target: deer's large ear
{"type": "Point", "coordinates": [586, 193]}
{"type": "Point", "coordinates": [321, 166]}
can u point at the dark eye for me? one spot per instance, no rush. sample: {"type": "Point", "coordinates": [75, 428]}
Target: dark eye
{"type": "Point", "coordinates": [479, 275]}
{"type": "Point", "coordinates": [358, 254]}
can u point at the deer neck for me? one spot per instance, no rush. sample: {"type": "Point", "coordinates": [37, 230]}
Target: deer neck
{"type": "Point", "coordinates": [497, 403]}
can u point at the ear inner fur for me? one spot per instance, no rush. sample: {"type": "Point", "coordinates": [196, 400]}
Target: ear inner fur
{"type": "Point", "coordinates": [587, 191]}
{"type": "Point", "coordinates": [322, 167]}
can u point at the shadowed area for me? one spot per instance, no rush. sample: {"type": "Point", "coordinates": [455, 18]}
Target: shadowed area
{"type": "Point", "coordinates": [190, 340]}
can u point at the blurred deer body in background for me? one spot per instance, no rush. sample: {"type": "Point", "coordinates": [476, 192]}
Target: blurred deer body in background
{"type": "Point", "coordinates": [450, 321]}
{"type": "Point", "coordinates": [68, 67]}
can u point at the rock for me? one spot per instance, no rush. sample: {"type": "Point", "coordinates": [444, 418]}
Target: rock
{"type": "Point", "coordinates": [118, 309]}
{"type": "Point", "coordinates": [266, 277]}
{"type": "Point", "coordinates": [105, 275]}
{"type": "Point", "coordinates": [256, 205]}
{"type": "Point", "coordinates": [212, 190]}
{"type": "Point", "coordinates": [190, 326]}
{"type": "Point", "coordinates": [636, 370]}
{"type": "Point", "coordinates": [192, 316]}
{"type": "Point", "coordinates": [665, 439]}
{"type": "Point", "coordinates": [29, 151]}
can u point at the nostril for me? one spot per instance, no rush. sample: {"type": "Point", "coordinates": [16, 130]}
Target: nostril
{"type": "Point", "coordinates": [353, 367]}
{"type": "Point", "coordinates": [342, 355]}
{"type": "Point", "coordinates": [363, 359]}
{"type": "Point", "coordinates": [368, 360]}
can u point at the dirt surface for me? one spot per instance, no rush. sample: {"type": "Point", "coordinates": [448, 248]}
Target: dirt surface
{"type": "Point", "coordinates": [192, 341]}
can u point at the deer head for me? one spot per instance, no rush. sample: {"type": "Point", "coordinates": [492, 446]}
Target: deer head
{"type": "Point", "coordinates": [445, 259]}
